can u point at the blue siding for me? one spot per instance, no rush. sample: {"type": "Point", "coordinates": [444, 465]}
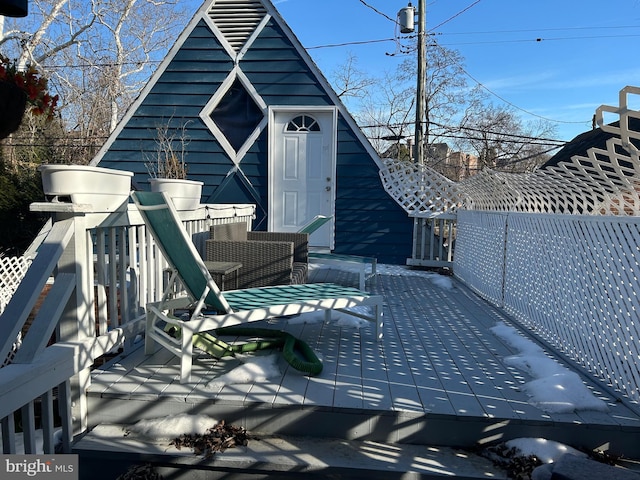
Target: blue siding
{"type": "Point", "coordinates": [181, 92]}
{"type": "Point", "coordinates": [368, 221]}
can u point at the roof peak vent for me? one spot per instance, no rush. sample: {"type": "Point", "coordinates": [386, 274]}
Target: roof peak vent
{"type": "Point", "coordinates": [237, 19]}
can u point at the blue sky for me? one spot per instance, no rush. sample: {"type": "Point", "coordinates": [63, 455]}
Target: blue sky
{"type": "Point", "coordinates": [585, 54]}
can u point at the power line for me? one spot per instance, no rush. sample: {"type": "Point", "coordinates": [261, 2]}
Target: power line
{"type": "Point", "coordinates": [560, 29]}
{"type": "Point", "coordinates": [457, 14]}
{"type": "Point", "coordinates": [540, 39]}
{"type": "Point", "coordinates": [378, 11]}
{"type": "Point", "coordinates": [514, 105]}
{"type": "Point", "coordinates": [510, 137]}
{"type": "Point", "coordinates": [346, 44]}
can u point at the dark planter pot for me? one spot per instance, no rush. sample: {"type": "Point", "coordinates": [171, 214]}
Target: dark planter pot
{"type": "Point", "coordinates": [13, 102]}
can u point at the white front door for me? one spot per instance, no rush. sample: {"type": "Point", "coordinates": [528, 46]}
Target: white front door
{"type": "Point", "coordinates": [302, 171]}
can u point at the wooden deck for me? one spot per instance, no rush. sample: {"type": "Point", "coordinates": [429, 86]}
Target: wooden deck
{"type": "Point", "coordinates": [437, 378]}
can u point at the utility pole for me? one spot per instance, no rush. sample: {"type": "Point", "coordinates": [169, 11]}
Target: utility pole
{"type": "Point", "coordinates": [422, 80]}
{"type": "Point", "coordinates": [406, 18]}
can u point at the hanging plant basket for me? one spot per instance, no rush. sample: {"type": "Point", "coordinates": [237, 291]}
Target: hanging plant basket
{"type": "Point", "coordinates": [13, 102]}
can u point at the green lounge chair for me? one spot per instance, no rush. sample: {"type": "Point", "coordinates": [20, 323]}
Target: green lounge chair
{"type": "Point", "coordinates": [334, 258]}
{"type": "Point", "coordinates": [207, 308]}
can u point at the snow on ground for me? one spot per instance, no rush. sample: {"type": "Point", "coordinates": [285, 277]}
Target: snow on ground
{"type": "Point", "coordinates": [252, 369]}
{"type": "Point", "coordinates": [39, 438]}
{"type": "Point", "coordinates": [547, 451]}
{"type": "Point", "coordinates": [554, 389]}
{"type": "Point", "coordinates": [167, 428]}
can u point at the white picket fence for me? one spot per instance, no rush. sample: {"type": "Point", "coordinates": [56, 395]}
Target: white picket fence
{"type": "Point", "coordinates": [571, 279]}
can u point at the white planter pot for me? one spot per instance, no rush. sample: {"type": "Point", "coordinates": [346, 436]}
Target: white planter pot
{"type": "Point", "coordinates": [106, 189]}
{"type": "Point", "coordinates": [185, 194]}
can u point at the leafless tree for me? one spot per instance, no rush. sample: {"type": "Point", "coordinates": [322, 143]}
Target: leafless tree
{"type": "Point", "coordinates": [97, 55]}
{"type": "Point", "coordinates": [501, 140]}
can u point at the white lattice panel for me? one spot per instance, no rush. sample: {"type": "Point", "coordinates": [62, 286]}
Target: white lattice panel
{"type": "Point", "coordinates": [12, 271]}
{"type": "Point", "coordinates": [571, 279]}
{"type": "Point", "coordinates": [604, 182]}
{"type": "Point", "coordinates": [479, 252]}
{"type": "Point", "coordinates": [581, 290]}
{"type": "Point", "coordinates": [418, 189]}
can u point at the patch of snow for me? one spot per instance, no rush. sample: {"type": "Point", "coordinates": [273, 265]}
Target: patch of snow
{"type": "Point", "coordinates": [547, 451]}
{"type": "Point", "coordinates": [252, 369]}
{"type": "Point", "coordinates": [172, 426]}
{"type": "Point", "coordinates": [341, 319]}
{"type": "Point", "coordinates": [442, 281]}
{"type": "Point", "coordinates": [39, 437]}
{"type": "Point", "coordinates": [555, 389]}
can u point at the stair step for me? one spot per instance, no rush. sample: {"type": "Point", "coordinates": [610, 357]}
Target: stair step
{"type": "Point", "coordinates": [106, 453]}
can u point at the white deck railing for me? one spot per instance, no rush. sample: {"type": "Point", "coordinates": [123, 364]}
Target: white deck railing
{"type": "Point", "coordinates": [571, 279]}
{"type": "Point", "coordinates": [90, 276]}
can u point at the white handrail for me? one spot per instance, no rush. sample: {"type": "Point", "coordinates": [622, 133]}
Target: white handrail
{"type": "Point", "coordinates": [91, 277]}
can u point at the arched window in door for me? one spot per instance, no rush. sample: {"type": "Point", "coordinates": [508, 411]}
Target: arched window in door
{"type": "Point", "coordinates": [303, 123]}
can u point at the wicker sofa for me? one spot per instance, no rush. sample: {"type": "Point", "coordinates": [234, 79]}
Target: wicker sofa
{"type": "Point", "coordinates": [268, 258]}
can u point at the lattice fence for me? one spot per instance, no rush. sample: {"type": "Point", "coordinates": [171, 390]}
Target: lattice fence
{"type": "Point", "coordinates": [604, 182]}
{"type": "Point", "coordinates": [558, 249]}
{"type": "Point", "coordinates": [12, 271]}
{"type": "Point", "coordinates": [570, 279]}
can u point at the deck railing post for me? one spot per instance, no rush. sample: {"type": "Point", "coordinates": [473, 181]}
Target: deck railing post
{"type": "Point", "coordinates": [77, 323]}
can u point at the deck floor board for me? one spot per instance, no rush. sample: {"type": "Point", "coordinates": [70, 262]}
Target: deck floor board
{"type": "Point", "coordinates": [438, 359]}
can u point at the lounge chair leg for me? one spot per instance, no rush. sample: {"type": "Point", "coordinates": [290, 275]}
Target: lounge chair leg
{"type": "Point", "coordinates": [379, 322]}
{"type": "Point", "coordinates": [149, 343]}
{"type": "Point", "coordinates": [187, 356]}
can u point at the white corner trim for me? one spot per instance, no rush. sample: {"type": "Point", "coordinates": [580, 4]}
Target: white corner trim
{"type": "Point", "coordinates": [253, 36]}
{"type": "Point", "coordinates": [218, 34]}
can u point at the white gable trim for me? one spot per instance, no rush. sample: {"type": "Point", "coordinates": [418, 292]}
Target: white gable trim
{"type": "Point", "coordinates": [202, 14]}
{"type": "Point", "coordinates": [253, 36]}
{"type": "Point", "coordinates": [182, 38]}
{"type": "Point", "coordinates": [221, 38]}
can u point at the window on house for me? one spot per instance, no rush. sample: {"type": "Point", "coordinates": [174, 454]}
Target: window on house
{"type": "Point", "coordinates": [237, 115]}
{"type": "Point", "coordinates": [303, 123]}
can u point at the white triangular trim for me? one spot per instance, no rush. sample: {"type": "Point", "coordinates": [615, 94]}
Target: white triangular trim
{"type": "Point", "coordinates": [253, 36]}
{"type": "Point", "coordinates": [221, 38]}
{"type": "Point", "coordinates": [237, 19]}
{"type": "Point", "coordinates": [205, 113]}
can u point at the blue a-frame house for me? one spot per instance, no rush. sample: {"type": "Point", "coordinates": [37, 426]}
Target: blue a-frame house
{"type": "Point", "coordinates": [263, 127]}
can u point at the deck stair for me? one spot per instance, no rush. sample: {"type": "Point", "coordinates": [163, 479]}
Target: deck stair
{"type": "Point", "coordinates": [437, 379]}
{"type": "Point", "coordinates": [279, 457]}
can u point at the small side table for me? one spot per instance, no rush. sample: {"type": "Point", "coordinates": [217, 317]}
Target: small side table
{"type": "Point", "coordinates": [220, 270]}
